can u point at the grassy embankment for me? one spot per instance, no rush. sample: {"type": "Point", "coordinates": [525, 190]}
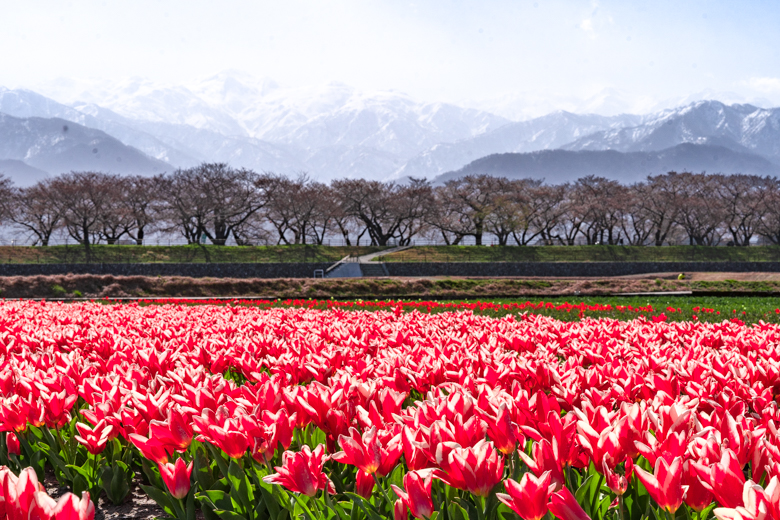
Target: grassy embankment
{"type": "Point", "coordinates": [311, 253]}
{"type": "Point", "coordinates": [585, 254]}
{"type": "Point", "coordinates": [178, 254]}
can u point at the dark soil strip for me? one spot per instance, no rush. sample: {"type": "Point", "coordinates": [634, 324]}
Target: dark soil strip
{"type": "Point", "coordinates": [107, 286]}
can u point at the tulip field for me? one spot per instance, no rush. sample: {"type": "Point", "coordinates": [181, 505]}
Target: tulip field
{"type": "Point", "coordinates": [387, 410]}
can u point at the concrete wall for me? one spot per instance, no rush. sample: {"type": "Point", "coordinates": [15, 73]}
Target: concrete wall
{"type": "Point", "coordinates": [217, 270]}
{"type": "Point", "coordinates": [301, 270]}
{"type": "Point", "coordinates": [521, 269]}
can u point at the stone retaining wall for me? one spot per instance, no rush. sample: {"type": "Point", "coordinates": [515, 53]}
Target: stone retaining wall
{"type": "Point", "coordinates": [216, 270]}
{"type": "Point", "coordinates": [521, 269]}
{"type": "Point", "coordinates": [467, 269]}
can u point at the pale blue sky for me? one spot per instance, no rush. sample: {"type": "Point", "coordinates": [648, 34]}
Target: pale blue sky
{"type": "Point", "coordinates": [433, 50]}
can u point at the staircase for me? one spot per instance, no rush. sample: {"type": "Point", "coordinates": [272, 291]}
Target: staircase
{"type": "Point", "coordinates": [356, 267]}
{"type": "Point", "coordinates": [374, 269]}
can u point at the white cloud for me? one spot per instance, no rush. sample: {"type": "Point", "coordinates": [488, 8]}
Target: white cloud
{"type": "Point", "coordinates": [587, 26]}
{"type": "Point", "coordinates": [766, 85]}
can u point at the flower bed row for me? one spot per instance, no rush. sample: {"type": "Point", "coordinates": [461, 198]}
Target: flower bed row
{"type": "Point", "coordinates": [247, 413]}
{"type": "Point", "coordinates": [561, 310]}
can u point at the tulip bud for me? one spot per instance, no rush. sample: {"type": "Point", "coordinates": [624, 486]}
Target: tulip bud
{"type": "Point", "coordinates": [400, 511]}
{"type": "Point", "coordinates": [12, 443]}
{"type": "Point", "coordinates": [177, 477]}
{"type": "Point", "coordinates": [364, 484]}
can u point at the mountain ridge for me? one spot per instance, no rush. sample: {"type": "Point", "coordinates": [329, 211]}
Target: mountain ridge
{"type": "Point", "coordinates": [335, 131]}
{"type": "Point", "coordinates": [559, 166]}
{"type": "Point", "coordinates": [56, 145]}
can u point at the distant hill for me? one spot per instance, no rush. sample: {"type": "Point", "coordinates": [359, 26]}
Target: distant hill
{"type": "Point", "coordinates": [25, 103]}
{"type": "Point", "coordinates": [542, 133]}
{"type": "Point", "coordinates": [54, 146]}
{"type": "Point", "coordinates": [22, 174]}
{"type": "Point", "coordinates": [557, 166]}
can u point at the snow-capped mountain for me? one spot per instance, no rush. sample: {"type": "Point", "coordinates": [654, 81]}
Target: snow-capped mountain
{"type": "Point", "coordinates": [522, 106]}
{"type": "Point", "coordinates": [544, 133]}
{"type": "Point", "coordinates": [738, 127]}
{"type": "Point", "coordinates": [55, 145]}
{"type": "Point", "coordinates": [558, 166]}
{"type": "Point", "coordinates": [26, 103]}
{"type": "Point", "coordinates": [334, 131]}
{"type": "Point", "coordinates": [330, 130]}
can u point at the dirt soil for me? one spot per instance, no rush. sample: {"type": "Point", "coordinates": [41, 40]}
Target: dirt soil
{"type": "Point", "coordinates": [709, 277]}
{"type": "Point", "coordinates": [137, 505]}
{"type": "Point", "coordinates": [107, 286]}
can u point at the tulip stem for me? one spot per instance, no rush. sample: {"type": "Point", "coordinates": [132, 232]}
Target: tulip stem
{"type": "Point", "coordinates": [303, 506]}
{"type": "Point", "coordinates": [181, 509]}
{"type": "Point", "coordinates": [384, 493]}
{"type": "Point", "coordinates": [620, 507]}
{"type": "Point", "coordinates": [316, 505]}
{"type": "Point", "coordinates": [570, 481]}
{"type": "Point", "coordinates": [595, 499]}
{"type": "Point", "coordinates": [480, 508]}
{"type": "Point", "coordinates": [94, 467]}
{"type": "Point", "coordinates": [511, 466]}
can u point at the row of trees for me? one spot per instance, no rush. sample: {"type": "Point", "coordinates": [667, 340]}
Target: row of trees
{"type": "Point", "coordinates": [214, 203]}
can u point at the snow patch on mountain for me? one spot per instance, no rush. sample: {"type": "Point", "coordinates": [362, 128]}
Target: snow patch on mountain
{"type": "Point", "coordinates": [739, 127]}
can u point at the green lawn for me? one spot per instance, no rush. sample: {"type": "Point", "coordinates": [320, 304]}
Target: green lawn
{"type": "Point", "coordinates": [178, 254]}
{"type": "Point", "coordinates": [755, 308]}
{"type": "Point", "coordinates": [584, 254]}
{"type": "Point", "coordinates": [750, 310]}
{"type": "Point", "coordinates": [310, 253]}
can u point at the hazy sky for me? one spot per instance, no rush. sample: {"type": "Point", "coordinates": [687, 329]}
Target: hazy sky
{"type": "Point", "coordinates": [434, 50]}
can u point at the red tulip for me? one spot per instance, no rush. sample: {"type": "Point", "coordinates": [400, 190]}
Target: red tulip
{"type": "Point", "coordinates": [281, 426]}
{"type": "Point", "coordinates": [58, 405]}
{"type": "Point", "coordinates": [377, 450]}
{"type": "Point", "coordinates": [223, 432]}
{"type": "Point", "coordinates": [772, 495]}
{"type": "Point", "coordinates": [301, 472]}
{"type": "Point", "coordinates": [177, 477]}
{"type": "Point", "coordinates": [602, 446]}
{"type": "Point", "coordinates": [545, 459]}
{"type": "Point", "coordinates": [503, 432]}
{"type": "Point", "coordinates": [94, 439]}
{"type": "Point", "coordinates": [69, 507]}
{"type": "Point", "coordinates": [391, 451]}
{"type": "Point", "coordinates": [41, 507]}
{"type": "Point", "coordinates": [665, 484]}
{"type": "Point", "coordinates": [616, 482]}
{"type": "Point", "coordinates": [698, 497]}
{"type": "Point", "coordinates": [476, 469]}
{"type": "Point", "coordinates": [12, 415]}
{"type": "Point", "coordinates": [752, 506]}
{"type": "Point", "coordinates": [417, 496]}
{"type": "Point", "coordinates": [151, 449]}
{"type": "Point", "coordinates": [364, 484]}
{"type": "Point", "coordinates": [563, 431]}
{"type": "Point", "coordinates": [529, 497]}
{"type": "Point", "coordinates": [12, 443]}
{"type": "Point", "coordinates": [414, 449]}
{"type": "Point", "coordinates": [19, 493]}
{"type": "Point", "coordinates": [727, 480]}
{"type": "Point", "coordinates": [400, 511]}
{"type": "Point", "coordinates": [564, 506]}
{"type": "Point", "coordinates": [233, 442]}
{"type": "Point", "coordinates": [175, 432]}
{"type": "Point", "coordinates": [362, 452]}
{"type": "Point", "coordinates": [674, 445]}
